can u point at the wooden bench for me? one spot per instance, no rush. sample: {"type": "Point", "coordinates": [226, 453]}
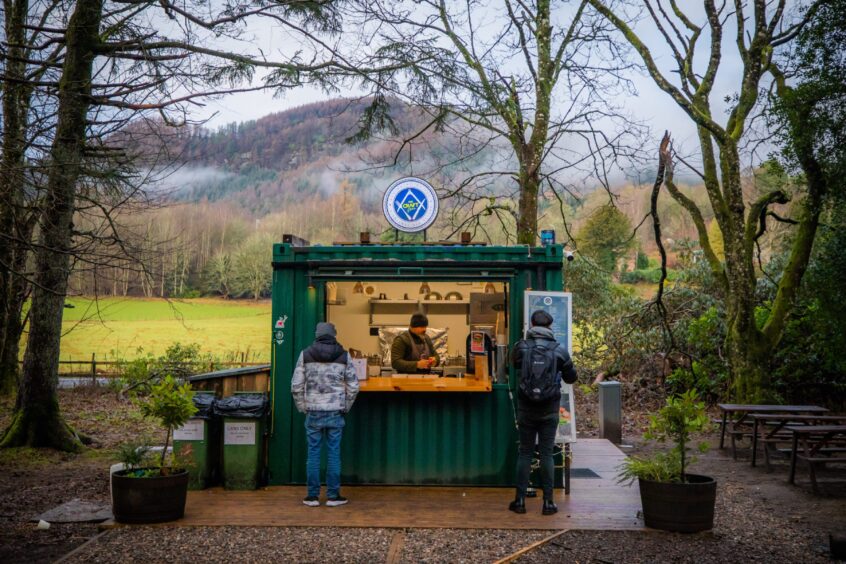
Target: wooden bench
{"type": "Point", "coordinates": [820, 445]}
{"type": "Point", "coordinates": [768, 429]}
{"type": "Point", "coordinates": [735, 419]}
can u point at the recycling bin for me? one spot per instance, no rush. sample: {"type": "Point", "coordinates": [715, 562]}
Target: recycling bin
{"type": "Point", "coordinates": [243, 416]}
{"type": "Point", "coordinates": [196, 443]}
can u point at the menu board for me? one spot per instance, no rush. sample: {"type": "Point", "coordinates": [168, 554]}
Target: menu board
{"type": "Point", "coordinates": [559, 306]}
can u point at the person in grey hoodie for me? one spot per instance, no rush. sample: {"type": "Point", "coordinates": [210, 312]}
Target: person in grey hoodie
{"type": "Point", "coordinates": [537, 421]}
{"type": "Point", "coordinates": [324, 387]}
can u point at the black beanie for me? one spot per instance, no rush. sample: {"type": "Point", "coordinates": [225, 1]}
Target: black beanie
{"type": "Point", "coordinates": [419, 320]}
{"type": "Point", "coordinates": [541, 318]}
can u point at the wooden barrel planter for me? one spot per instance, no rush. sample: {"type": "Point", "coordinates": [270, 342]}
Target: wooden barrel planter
{"type": "Point", "coordinates": [679, 507]}
{"type": "Point", "coordinates": [152, 499]}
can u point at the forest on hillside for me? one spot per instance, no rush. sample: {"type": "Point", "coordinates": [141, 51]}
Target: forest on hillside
{"type": "Point", "coordinates": [235, 191]}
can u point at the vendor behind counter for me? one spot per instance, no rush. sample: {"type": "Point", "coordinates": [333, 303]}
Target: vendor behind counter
{"type": "Point", "coordinates": [413, 352]}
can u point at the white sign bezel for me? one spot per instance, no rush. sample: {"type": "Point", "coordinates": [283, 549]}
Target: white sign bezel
{"type": "Point", "coordinates": [416, 225]}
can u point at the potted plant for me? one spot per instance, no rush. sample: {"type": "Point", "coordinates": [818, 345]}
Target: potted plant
{"type": "Point", "coordinates": [672, 498]}
{"type": "Point", "coordinates": [156, 493]}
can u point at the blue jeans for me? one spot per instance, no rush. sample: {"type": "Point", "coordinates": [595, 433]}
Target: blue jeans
{"type": "Point", "coordinates": [324, 427]}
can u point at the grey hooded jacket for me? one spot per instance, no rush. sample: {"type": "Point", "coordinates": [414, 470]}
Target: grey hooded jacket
{"type": "Point", "coordinates": [324, 378]}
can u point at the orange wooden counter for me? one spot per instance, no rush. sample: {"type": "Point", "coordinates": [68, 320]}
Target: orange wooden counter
{"type": "Point", "coordinates": [417, 383]}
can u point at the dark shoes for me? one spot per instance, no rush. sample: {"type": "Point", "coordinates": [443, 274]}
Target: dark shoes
{"type": "Point", "coordinates": [518, 505]}
{"type": "Point", "coordinates": [336, 501]}
{"type": "Point", "coordinates": [311, 501]}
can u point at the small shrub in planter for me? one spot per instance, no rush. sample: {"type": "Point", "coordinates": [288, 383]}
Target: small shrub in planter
{"type": "Point", "coordinates": [673, 499]}
{"type": "Point", "coordinates": [157, 493]}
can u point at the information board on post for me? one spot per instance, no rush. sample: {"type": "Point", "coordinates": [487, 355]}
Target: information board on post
{"type": "Point", "coordinates": [559, 305]}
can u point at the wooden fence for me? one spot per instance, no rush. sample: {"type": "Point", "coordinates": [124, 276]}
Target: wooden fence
{"type": "Point", "coordinates": [111, 368]}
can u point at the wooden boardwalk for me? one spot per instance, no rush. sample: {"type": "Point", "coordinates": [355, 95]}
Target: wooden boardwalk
{"type": "Point", "coordinates": [593, 503]}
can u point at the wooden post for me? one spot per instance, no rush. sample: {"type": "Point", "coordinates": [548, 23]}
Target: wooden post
{"type": "Point", "coordinates": [93, 369]}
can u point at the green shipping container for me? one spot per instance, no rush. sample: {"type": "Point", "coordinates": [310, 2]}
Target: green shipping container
{"type": "Point", "coordinates": [438, 438]}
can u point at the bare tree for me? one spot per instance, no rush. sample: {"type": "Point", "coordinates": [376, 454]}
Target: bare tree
{"type": "Point", "coordinates": [757, 28]}
{"type": "Point", "coordinates": [527, 79]}
{"type": "Point", "coordinates": [113, 62]}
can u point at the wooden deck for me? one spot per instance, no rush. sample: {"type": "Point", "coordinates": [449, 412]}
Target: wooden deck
{"type": "Point", "coordinates": [593, 503]}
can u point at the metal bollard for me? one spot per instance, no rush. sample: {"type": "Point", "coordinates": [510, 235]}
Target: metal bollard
{"type": "Point", "coordinates": [610, 412]}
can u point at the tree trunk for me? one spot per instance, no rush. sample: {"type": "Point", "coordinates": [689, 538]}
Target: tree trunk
{"type": "Point", "coordinates": [16, 97]}
{"type": "Point", "coordinates": [18, 293]}
{"type": "Point", "coordinates": [748, 349]}
{"type": "Point", "coordinates": [527, 219]}
{"type": "Point", "coordinates": [37, 421]}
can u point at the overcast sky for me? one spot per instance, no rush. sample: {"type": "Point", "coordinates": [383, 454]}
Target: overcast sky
{"type": "Point", "coordinates": [650, 105]}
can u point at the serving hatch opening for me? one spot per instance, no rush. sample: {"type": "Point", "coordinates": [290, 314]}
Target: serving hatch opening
{"type": "Point", "coordinates": [466, 320]}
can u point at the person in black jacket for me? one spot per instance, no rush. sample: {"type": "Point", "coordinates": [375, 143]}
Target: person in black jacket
{"type": "Point", "coordinates": [413, 352]}
{"type": "Point", "coordinates": [538, 421]}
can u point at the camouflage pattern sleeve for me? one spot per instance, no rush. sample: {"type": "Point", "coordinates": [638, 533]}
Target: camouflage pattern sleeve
{"type": "Point", "coordinates": [351, 383]}
{"type": "Point", "coordinates": [298, 385]}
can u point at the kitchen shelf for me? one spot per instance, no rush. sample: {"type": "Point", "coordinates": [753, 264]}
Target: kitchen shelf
{"type": "Point", "coordinates": [421, 304]}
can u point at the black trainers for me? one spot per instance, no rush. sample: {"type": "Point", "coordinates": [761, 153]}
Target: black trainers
{"type": "Point", "coordinates": [517, 506]}
{"type": "Point", "coordinates": [311, 501]}
{"type": "Point", "coordinates": [549, 507]}
{"type": "Point", "coordinates": [336, 501]}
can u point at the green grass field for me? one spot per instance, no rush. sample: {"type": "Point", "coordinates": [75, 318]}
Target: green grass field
{"type": "Point", "coordinates": [112, 327]}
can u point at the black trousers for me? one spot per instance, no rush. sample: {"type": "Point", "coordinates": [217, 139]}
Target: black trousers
{"type": "Point", "coordinates": [536, 429]}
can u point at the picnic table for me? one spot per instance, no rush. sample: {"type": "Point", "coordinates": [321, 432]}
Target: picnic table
{"type": "Point", "coordinates": [744, 410]}
{"type": "Point", "coordinates": [820, 444]}
{"type": "Point", "coordinates": [769, 429]}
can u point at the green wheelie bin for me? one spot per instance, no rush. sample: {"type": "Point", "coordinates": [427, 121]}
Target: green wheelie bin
{"type": "Point", "coordinates": [243, 417]}
{"type": "Point", "coordinates": [196, 443]}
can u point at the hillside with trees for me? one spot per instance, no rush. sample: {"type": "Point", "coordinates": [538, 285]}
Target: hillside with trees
{"type": "Point", "coordinates": [236, 190]}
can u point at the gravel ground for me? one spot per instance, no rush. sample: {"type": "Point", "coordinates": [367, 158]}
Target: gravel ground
{"type": "Point", "coordinates": [259, 544]}
{"type": "Point", "coordinates": [452, 545]}
{"type": "Point", "coordinates": [191, 545]}
{"type": "Point", "coordinates": [575, 547]}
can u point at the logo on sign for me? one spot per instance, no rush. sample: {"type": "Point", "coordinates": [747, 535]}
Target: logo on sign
{"type": "Point", "coordinates": [410, 205]}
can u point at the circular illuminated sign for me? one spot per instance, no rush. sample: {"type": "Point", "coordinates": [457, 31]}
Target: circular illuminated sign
{"type": "Point", "coordinates": [410, 204]}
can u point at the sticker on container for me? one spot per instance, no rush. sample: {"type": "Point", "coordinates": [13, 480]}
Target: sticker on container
{"type": "Point", "coordinates": [239, 433]}
{"type": "Point", "coordinates": [280, 323]}
{"type": "Point", "coordinates": [477, 342]}
{"type": "Point", "coordinates": [279, 337]}
{"type": "Point", "coordinates": [192, 431]}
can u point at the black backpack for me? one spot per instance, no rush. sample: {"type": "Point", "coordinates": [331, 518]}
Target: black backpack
{"type": "Point", "coordinates": [539, 380]}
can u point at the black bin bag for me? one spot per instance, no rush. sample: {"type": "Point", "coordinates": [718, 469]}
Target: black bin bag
{"type": "Point", "coordinates": [242, 406]}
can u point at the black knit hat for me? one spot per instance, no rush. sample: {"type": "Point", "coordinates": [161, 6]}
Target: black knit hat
{"type": "Point", "coordinates": [541, 319]}
{"type": "Point", "coordinates": [419, 320]}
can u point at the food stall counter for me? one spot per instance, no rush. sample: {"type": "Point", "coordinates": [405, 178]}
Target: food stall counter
{"type": "Point", "coordinates": [418, 383]}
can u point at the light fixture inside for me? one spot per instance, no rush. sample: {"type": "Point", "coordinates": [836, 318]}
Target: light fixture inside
{"type": "Point", "coordinates": [424, 289]}
{"type": "Point", "coordinates": [490, 288]}
{"type": "Point", "coordinates": [358, 288]}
